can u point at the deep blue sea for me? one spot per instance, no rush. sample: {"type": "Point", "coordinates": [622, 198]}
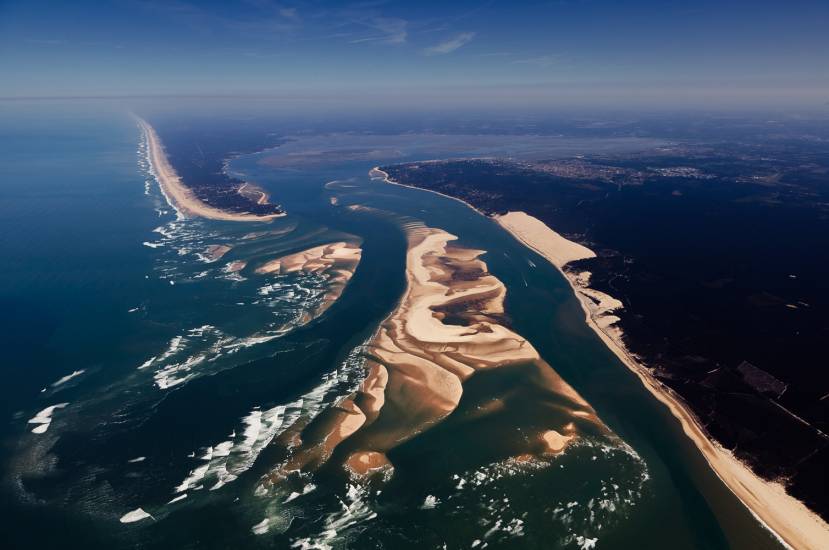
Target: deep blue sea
{"type": "Point", "coordinates": [136, 370]}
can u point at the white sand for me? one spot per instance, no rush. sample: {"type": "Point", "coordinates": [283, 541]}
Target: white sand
{"type": "Point", "coordinates": [535, 234]}
{"type": "Point", "coordinates": [315, 260]}
{"type": "Point", "coordinates": [67, 378]}
{"type": "Point", "coordinates": [785, 516]}
{"type": "Point", "coordinates": [214, 252]}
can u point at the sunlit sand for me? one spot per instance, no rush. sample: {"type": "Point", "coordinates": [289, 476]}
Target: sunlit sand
{"type": "Point", "coordinates": [335, 261]}
{"type": "Point", "coordinates": [178, 194]}
{"type": "Point", "coordinates": [447, 328]}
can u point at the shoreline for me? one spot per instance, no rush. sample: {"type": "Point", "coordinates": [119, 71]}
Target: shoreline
{"type": "Point", "coordinates": [376, 173]}
{"type": "Point", "coordinates": [178, 195]}
{"type": "Point", "coordinates": [791, 522]}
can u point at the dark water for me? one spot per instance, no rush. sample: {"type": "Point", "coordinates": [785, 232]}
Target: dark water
{"type": "Point", "coordinates": [718, 271]}
{"type": "Point", "coordinates": [233, 364]}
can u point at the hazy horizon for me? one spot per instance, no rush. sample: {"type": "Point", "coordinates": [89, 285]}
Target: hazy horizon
{"type": "Point", "coordinates": [541, 54]}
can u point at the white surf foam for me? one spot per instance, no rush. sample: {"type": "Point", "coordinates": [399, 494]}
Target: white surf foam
{"type": "Point", "coordinates": [67, 378]}
{"type": "Point", "coordinates": [43, 419]}
{"type": "Point", "coordinates": [354, 510]}
{"type": "Point", "coordinates": [227, 460]}
{"type": "Point", "coordinates": [136, 515]}
{"type": "Point", "coordinates": [261, 528]}
{"type": "Point", "coordinates": [178, 498]}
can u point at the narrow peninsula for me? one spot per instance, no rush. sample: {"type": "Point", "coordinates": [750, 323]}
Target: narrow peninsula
{"type": "Point", "coordinates": [250, 203]}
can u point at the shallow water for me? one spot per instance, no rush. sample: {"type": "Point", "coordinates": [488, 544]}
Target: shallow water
{"type": "Point", "coordinates": [190, 370]}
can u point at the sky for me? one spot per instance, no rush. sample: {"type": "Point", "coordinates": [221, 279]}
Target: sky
{"type": "Point", "coordinates": [567, 51]}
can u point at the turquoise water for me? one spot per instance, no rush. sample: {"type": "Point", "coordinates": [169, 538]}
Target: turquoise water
{"type": "Point", "coordinates": [188, 370]}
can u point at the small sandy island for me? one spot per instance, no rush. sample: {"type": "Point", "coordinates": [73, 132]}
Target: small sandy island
{"type": "Point", "coordinates": [447, 329]}
{"type": "Point", "coordinates": [781, 513]}
{"type": "Point", "coordinates": [335, 261]}
{"type": "Point", "coordinates": [178, 194]}
{"type": "Point", "coordinates": [214, 252]}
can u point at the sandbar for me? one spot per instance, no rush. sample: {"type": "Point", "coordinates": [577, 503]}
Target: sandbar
{"type": "Point", "coordinates": [447, 328]}
{"type": "Point", "coordinates": [791, 521]}
{"type": "Point", "coordinates": [214, 252]}
{"type": "Point", "coordinates": [336, 261]}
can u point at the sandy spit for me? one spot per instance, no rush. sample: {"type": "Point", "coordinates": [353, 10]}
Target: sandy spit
{"type": "Point", "coordinates": [177, 193]}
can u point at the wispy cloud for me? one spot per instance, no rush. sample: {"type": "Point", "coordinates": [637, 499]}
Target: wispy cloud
{"type": "Point", "coordinates": [450, 45]}
{"type": "Point", "coordinates": [264, 18]}
{"type": "Point", "coordinates": [388, 30]}
{"type": "Point", "coordinates": [540, 61]}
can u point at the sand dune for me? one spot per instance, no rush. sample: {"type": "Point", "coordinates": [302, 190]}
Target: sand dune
{"type": "Point", "coordinates": [535, 234]}
{"type": "Point", "coordinates": [448, 328]}
{"type": "Point", "coordinates": [178, 194]}
{"type": "Point", "coordinates": [787, 517]}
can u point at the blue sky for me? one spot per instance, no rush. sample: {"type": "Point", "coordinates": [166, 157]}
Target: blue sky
{"type": "Point", "coordinates": [546, 52]}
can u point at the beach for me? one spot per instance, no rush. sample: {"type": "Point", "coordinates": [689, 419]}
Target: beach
{"type": "Point", "coordinates": [535, 234]}
{"type": "Point", "coordinates": [178, 194]}
{"type": "Point", "coordinates": [788, 518]}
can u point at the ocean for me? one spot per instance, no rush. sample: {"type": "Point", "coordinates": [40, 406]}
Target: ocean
{"type": "Point", "coordinates": [139, 369]}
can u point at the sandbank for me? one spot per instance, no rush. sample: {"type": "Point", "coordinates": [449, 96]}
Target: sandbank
{"type": "Point", "coordinates": [335, 261]}
{"type": "Point", "coordinates": [447, 328]}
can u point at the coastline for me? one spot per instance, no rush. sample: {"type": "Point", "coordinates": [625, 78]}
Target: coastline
{"type": "Point", "coordinates": [178, 195]}
{"type": "Point", "coordinates": [376, 173]}
{"type": "Point", "coordinates": [787, 518]}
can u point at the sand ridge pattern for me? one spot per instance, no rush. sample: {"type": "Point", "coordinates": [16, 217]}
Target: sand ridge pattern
{"type": "Point", "coordinates": [335, 261]}
{"type": "Point", "coordinates": [448, 328]}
